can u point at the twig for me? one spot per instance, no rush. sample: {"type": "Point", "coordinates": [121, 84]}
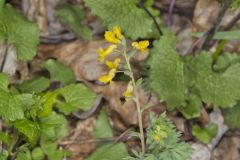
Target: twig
{"type": "Point", "coordinates": [207, 36]}
{"type": "Point", "coordinates": [4, 57]}
{"type": "Point", "coordinates": [232, 22]}
{"type": "Point", "coordinates": [99, 140]}
{"type": "Point", "coordinates": [170, 13]}
{"type": "Point", "coordinates": [153, 18]}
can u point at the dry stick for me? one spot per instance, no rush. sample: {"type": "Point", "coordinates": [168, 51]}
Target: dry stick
{"type": "Point", "coordinates": [170, 13]}
{"type": "Point", "coordinates": [207, 36]}
{"type": "Point", "coordinates": [153, 18]}
{"type": "Point", "coordinates": [4, 58]}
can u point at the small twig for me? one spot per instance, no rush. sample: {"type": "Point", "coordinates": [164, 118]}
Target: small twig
{"type": "Point", "coordinates": [232, 22]}
{"type": "Point", "coordinates": [85, 115]}
{"type": "Point", "coordinates": [4, 58]}
{"type": "Point", "coordinates": [153, 18]}
{"type": "Point", "coordinates": [170, 13]}
{"type": "Point", "coordinates": [99, 140]}
{"type": "Point", "coordinates": [208, 35]}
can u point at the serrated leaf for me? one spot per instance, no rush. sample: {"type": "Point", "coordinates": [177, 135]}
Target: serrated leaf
{"type": "Point", "coordinates": [17, 30]}
{"type": "Point", "coordinates": [111, 152]}
{"type": "Point", "coordinates": [53, 127]}
{"type": "Point", "coordinates": [12, 107]}
{"type": "Point", "coordinates": [166, 72]}
{"type": "Point", "coordinates": [59, 72]}
{"type": "Point", "coordinates": [192, 108]}
{"type": "Point", "coordinates": [72, 15]}
{"type": "Point", "coordinates": [4, 155]}
{"type": "Point", "coordinates": [4, 137]}
{"type": "Point", "coordinates": [77, 96]}
{"type": "Point", "coordinates": [102, 127]}
{"type": "Point", "coordinates": [124, 13]}
{"type": "Point", "coordinates": [232, 116]}
{"type": "Point", "coordinates": [206, 134]}
{"type": "Point", "coordinates": [29, 129]}
{"type": "Point", "coordinates": [36, 85]}
{"type": "Point", "coordinates": [225, 60]}
{"type": "Point", "coordinates": [221, 89]}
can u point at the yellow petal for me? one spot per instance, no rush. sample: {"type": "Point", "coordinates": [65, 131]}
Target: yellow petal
{"type": "Point", "coordinates": [113, 64]}
{"type": "Point", "coordinates": [117, 32]}
{"type": "Point", "coordinates": [110, 37]}
{"type": "Point", "coordinates": [129, 92]}
{"type": "Point", "coordinates": [142, 45]}
{"type": "Point", "coordinates": [157, 138]}
{"type": "Point", "coordinates": [108, 78]}
{"type": "Point", "coordinates": [103, 53]}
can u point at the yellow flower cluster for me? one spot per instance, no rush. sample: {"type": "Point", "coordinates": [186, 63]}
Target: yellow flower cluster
{"type": "Point", "coordinates": [159, 133]}
{"type": "Point", "coordinates": [115, 37]}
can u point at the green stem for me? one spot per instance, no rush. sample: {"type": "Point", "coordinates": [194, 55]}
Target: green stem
{"type": "Point", "coordinates": [140, 123]}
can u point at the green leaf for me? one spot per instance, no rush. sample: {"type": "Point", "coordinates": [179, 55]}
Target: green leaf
{"type": "Point", "coordinates": [77, 96]}
{"type": "Point", "coordinates": [3, 82]}
{"type": "Point", "coordinates": [102, 127]}
{"type": "Point", "coordinates": [192, 108]}
{"type": "Point", "coordinates": [232, 116]}
{"type": "Point", "coordinates": [12, 107]}
{"type": "Point", "coordinates": [37, 154]}
{"type": "Point", "coordinates": [4, 155]}
{"type": "Point", "coordinates": [178, 151]}
{"type": "Point", "coordinates": [53, 127]}
{"type": "Point", "coordinates": [221, 89]}
{"type": "Point", "coordinates": [59, 72]}
{"type": "Point", "coordinates": [29, 129]}
{"type": "Point", "coordinates": [17, 30]}
{"type": "Point", "coordinates": [4, 137]}
{"type": "Point", "coordinates": [36, 85]}
{"type": "Point", "coordinates": [124, 13]}
{"type": "Point", "coordinates": [226, 35]}
{"type": "Point", "coordinates": [206, 134]}
{"type": "Point", "coordinates": [225, 60]}
{"type": "Point", "coordinates": [166, 72]}
{"type": "Point", "coordinates": [72, 15]}
{"type": "Point", "coordinates": [50, 149]}
{"type": "Point", "coordinates": [24, 154]}
{"type": "Point", "coordinates": [47, 101]}
{"type": "Point", "coordinates": [109, 152]}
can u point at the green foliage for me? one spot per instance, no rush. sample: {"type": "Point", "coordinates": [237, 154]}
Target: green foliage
{"type": "Point", "coordinates": [37, 154]}
{"type": "Point", "coordinates": [76, 96]}
{"type": "Point", "coordinates": [59, 72]}
{"type": "Point", "coordinates": [18, 31]}
{"type": "Point", "coordinates": [166, 72]}
{"type": "Point", "coordinates": [231, 116]}
{"type": "Point", "coordinates": [206, 134]}
{"type": "Point", "coordinates": [102, 127]}
{"type": "Point", "coordinates": [220, 89]}
{"type": "Point", "coordinates": [29, 129]}
{"type": "Point", "coordinates": [53, 127]}
{"type": "Point", "coordinates": [36, 85]}
{"type": "Point", "coordinates": [225, 35]}
{"type": "Point", "coordinates": [124, 13]}
{"type": "Point", "coordinates": [235, 4]}
{"type": "Point", "coordinates": [192, 107]}
{"type": "Point", "coordinates": [109, 152]}
{"type": "Point", "coordinates": [72, 15]}
{"type": "Point", "coordinates": [174, 78]}
{"type": "Point", "coordinates": [164, 141]}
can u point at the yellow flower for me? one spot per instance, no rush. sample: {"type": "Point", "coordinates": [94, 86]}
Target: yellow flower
{"type": "Point", "coordinates": [108, 78]}
{"type": "Point", "coordinates": [142, 45]}
{"type": "Point", "coordinates": [114, 36]}
{"type": "Point", "coordinates": [129, 92]}
{"type": "Point", "coordinates": [103, 53]}
{"type": "Point", "coordinates": [157, 138]}
{"type": "Point", "coordinates": [113, 64]}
